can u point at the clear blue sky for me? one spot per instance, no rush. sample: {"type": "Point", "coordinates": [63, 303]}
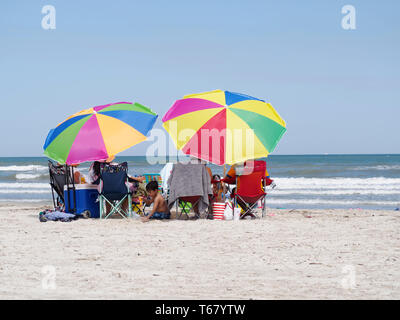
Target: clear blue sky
{"type": "Point", "coordinates": [338, 90]}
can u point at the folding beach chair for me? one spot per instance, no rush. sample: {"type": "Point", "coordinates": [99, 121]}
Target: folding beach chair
{"type": "Point", "coordinates": [250, 185]}
{"type": "Point", "coordinates": [114, 191]}
{"type": "Point", "coordinates": [138, 206]}
{"type": "Point", "coordinates": [189, 188]}
{"type": "Point", "coordinates": [61, 176]}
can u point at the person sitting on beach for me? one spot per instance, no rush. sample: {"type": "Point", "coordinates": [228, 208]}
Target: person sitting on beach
{"type": "Point", "coordinates": [219, 189]}
{"type": "Point", "coordinates": [78, 176]}
{"type": "Point", "coordinates": [136, 178]}
{"type": "Point", "coordinates": [94, 173]}
{"type": "Point", "coordinates": [160, 209]}
{"type": "Point", "coordinates": [95, 169]}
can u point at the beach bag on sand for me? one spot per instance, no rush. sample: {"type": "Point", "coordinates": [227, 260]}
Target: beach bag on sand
{"type": "Point", "coordinates": [228, 212]}
{"type": "Point", "coordinates": [236, 214]}
{"type": "Point", "coordinates": [218, 210]}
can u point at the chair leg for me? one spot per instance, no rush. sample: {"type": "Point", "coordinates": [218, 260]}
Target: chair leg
{"type": "Point", "coordinates": [136, 206]}
{"type": "Point", "coordinates": [101, 206]}
{"type": "Point", "coordinates": [248, 209]}
{"type": "Point", "coordinates": [183, 209]}
{"type": "Point", "coordinates": [177, 209]}
{"type": "Point", "coordinates": [186, 208]}
{"type": "Point", "coordinates": [130, 205]}
{"type": "Point", "coordinates": [112, 208]}
{"type": "Point", "coordinates": [196, 205]}
{"type": "Point", "coordinates": [143, 209]}
{"type": "Point", "coordinates": [116, 207]}
{"type": "Point", "coordinates": [264, 208]}
{"type": "Point", "coordinates": [120, 209]}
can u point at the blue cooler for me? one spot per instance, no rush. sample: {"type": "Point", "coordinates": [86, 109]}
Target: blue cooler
{"type": "Point", "coordinates": [86, 196]}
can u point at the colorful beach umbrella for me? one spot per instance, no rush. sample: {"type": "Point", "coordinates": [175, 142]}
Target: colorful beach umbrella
{"type": "Point", "coordinates": [99, 133]}
{"type": "Point", "coordinates": [224, 127]}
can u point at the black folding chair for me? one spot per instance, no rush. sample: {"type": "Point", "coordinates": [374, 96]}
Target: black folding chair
{"type": "Point", "coordinates": [61, 176]}
{"type": "Point", "coordinates": [114, 190]}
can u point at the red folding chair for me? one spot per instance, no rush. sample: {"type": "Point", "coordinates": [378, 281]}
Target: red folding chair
{"type": "Point", "coordinates": [250, 187]}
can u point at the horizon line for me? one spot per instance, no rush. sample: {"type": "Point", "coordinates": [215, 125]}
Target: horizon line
{"type": "Point", "coordinates": [286, 154]}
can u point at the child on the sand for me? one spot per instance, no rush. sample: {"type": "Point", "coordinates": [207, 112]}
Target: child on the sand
{"type": "Point", "coordinates": [160, 209]}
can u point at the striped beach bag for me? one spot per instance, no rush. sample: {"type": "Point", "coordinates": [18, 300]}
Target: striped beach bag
{"type": "Point", "coordinates": [218, 210]}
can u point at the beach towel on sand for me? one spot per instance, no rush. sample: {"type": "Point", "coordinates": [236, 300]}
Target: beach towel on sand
{"type": "Point", "coordinates": [189, 180]}
{"type": "Point", "coordinates": [56, 216]}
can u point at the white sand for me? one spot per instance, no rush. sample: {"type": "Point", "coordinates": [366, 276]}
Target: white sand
{"type": "Point", "coordinates": [335, 254]}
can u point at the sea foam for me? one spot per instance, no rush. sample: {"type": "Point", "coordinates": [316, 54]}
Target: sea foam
{"type": "Point", "coordinates": [24, 168]}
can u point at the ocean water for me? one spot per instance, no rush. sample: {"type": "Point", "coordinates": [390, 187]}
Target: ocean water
{"type": "Point", "coordinates": [303, 181]}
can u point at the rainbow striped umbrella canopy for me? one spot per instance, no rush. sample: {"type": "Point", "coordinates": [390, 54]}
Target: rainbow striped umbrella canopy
{"type": "Point", "coordinates": [224, 127]}
{"type": "Point", "coordinates": [99, 133]}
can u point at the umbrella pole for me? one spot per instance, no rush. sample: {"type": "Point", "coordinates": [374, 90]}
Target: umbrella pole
{"type": "Point", "coordinates": [235, 204]}
{"type": "Point", "coordinates": [51, 186]}
{"type": "Point", "coordinates": [67, 184]}
{"type": "Point", "coordinates": [73, 191]}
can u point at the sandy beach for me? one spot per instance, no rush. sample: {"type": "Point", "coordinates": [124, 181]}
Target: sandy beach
{"type": "Point", "coordinates": [290, 254]}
